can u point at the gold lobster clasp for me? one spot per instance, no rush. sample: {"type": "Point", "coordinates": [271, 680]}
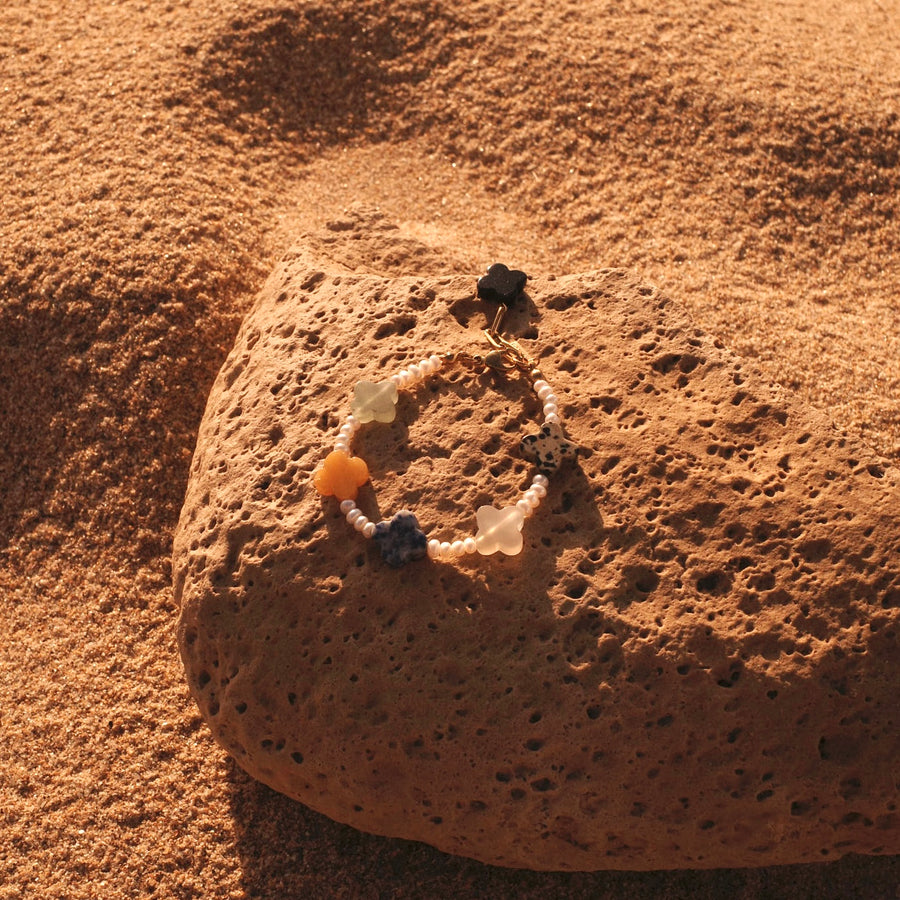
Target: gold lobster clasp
{"type": "Point", "coordinates": [506, 355]}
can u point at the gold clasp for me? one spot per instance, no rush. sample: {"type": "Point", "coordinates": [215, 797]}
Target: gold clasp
{"type": "Point", "coordinates": [506, 355]}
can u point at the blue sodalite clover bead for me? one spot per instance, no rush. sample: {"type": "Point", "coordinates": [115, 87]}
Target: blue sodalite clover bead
{"type": "Point", "coordinates": [400, 539]}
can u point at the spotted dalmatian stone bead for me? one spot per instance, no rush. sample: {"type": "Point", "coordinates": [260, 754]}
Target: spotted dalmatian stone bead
{"type": "Point", "coordinates": [548, 448]}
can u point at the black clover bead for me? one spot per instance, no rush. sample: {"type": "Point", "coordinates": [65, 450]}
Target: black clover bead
{"type": "Point", "coordinates": [501, 284]}
{"type": "Point", "coordinates": [548, 448]}
{"type": "Point", "coordinates": [400, 539]}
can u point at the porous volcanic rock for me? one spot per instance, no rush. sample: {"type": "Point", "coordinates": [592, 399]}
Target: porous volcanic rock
{"type": "Point", "coordinates": [692, 663]}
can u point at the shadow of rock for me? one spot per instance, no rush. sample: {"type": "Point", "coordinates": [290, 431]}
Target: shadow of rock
{"type": "Point", "coordinates": [287, 851]}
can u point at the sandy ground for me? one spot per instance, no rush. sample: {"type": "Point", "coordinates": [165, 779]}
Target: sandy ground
{"type": "Point", "coordinates": [158, 159]}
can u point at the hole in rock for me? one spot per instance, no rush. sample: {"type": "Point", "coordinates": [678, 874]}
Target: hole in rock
{"type": "Point", "coordinates": [716, 582]}
{"type": "Point", "coordinates": [643, 579]}
{"type": "Point", "coordinates": [543, 784]}
{"type": "Point", "coordinates": [562, 303]}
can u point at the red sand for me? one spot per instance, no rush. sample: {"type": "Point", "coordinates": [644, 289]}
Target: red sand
{"type": "Point", "coordinates": [159, 158]}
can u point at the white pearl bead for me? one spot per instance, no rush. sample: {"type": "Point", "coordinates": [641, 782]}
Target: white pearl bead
{"type": "Point", "coordinates": [369, 530]}
{"type": "Point", "coordinates": [346, 506]}
{"type": "Point", "coordinates": [425, 367]}
{"type": "Point", "coordinates": [415, 373]}
{"type": "Point", "coordinates": [469, 545]}
{"type": "Point", "coordinates": [360, 523]}
{"type": "Point", "coordinates": [550, 409]}
{"type": "Point", "coordinates": [552, 419]}
{"type": "Point", "coordinates": [457, 549]}
{"type": "Point", "coordinates": [434, 548]}
{"type": "Point", "coordinates": [351, 422]}
{"type": "Point", "coordinates": [445, 549]}
{"type": "Point", "coordinates": [545, 392]}
{"type": "Point", "coordinates": [346, 431]}
{"type": "Point", "coordinates": [342, 445]}
{"type": "Point", "coordinates": [538, 489]}
{"type": "Point", "coordinates": [539, 385]}
{"type": "Point", "coordinates": [353, 515]}
{"type": "Point", "coordinates": [531, 497]}
{"type": "Point", "coordinates": [524, 507]}
{"type": "Point", "coordinates": [542, 480]}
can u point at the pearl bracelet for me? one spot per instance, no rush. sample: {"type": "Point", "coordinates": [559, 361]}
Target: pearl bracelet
{"type": "Point", "coordinates": [499, 530]}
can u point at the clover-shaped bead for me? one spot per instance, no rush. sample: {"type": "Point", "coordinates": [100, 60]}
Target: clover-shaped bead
{"type": "Point", "coordinates": [501, 284]}
{"type": "Point", "coordinates": [341, 475]}
{"type": "Point", "coordinates": [548, 448]}
{"type": "Point", "coordinates": [374, 401]}
{"type": "Point", "coordinates": [499, 529]}
{"type": "Point", "coordinates": [400, 539]}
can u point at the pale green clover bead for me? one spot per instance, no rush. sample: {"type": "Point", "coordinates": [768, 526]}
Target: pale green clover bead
{"type": "Point", "coordinates": [375, 401]}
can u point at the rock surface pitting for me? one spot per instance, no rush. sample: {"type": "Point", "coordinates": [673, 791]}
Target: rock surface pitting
{"type": "Point", "coordinates": [691, 664]}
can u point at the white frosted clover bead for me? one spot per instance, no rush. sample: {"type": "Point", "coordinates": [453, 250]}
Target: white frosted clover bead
{"type": "Point", "coordinates": [550, 409]}
{"type": "Point", "coordinates": [434, 548]}
{"type": "Point", "coordinates": [469, 545]}
{"type": "Point", "coordinates": [552, 419]}
{"type": "Point", "coordinates": [542, 480]}
{"type": "Point", "coordinates": [369, 530]}
{"type": "Point", "coordinates": [457, 548]}
{"type": "Point", "coordinates": [445, 549]}
{"type": "Point", "coordinates": [346, 506]}
{"type": "Point", "coordinates": [360, 523]}
{"type": "Point", "coordinates": [499, 530]}
{"type": "Point", "coordinates": [538, 489]}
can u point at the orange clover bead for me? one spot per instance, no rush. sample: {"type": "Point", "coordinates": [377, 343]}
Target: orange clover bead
{"type": "Point", "coordinates": [341, 475]}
